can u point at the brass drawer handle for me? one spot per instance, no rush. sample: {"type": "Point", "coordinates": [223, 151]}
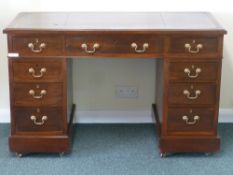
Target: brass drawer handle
{"type": "Point", "coordinates": [43, 119]}
{"type": "Point", "coordinates": [40, 47]}
{"type": "Point", "coordinates": [33, 72]}
{"type": "Point", "coordinates": [188, 94]}
{"type": "Point", "coordinates": [191, 50]}
{"type": "Point", "coordinates": [42, 93]}
{"type": "Point", "coordinates": [188, 71]}
{"type": "Point", "coordinates": [135, 47]}
{"type": "Point", "coordinates": [186, 119]}
{"type": "Point", "coordinates": [93, 50]}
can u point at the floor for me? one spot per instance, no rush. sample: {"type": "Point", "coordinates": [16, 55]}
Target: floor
{"type": "Point", "coordinates": [118, 150]}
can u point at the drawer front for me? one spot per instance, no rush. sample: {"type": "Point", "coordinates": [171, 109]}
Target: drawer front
{"type": "Point", "coordinates": [193, 46]}
{"type": "Point", "coordinates": [114, 45]}
{"type": "Point", "coordinates": [37, 45]}
{"type": "Point", "coordinates": [193, 71]}
{"type": "Point", "coordinates": [36, 71]}
{"type": "Point", "coordinates": [38, 119]}
{"type": "Point", "coordinates": [38, 94]}
{"type": "Point", "coordinates": [190, 120]}
{"type": "Point", "coordinates": [182, 93]}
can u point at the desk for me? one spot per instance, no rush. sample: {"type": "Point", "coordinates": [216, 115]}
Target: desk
{"type": "Point", "coordinates": [188, 47]}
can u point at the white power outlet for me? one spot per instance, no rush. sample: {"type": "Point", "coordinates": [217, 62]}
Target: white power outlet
{"type": "Point", "coordinates": [126, 91]}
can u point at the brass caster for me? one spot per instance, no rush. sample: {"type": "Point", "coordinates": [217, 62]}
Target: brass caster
{"type": "Point", "coordinates": [61, 154]}
{"type": "Point", "coordinates": [163, 155]}
{"type": "Point", "coordinates": [208, 154]}
{"type": "Point", "coordinates": [19, 155]}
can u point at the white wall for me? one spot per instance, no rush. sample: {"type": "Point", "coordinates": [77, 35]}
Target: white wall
{"type": "Point", "coordinates": [95, 79]}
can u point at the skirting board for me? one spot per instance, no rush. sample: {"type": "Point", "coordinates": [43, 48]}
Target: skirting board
{"type": "Point", "coordinates": [134, 116]}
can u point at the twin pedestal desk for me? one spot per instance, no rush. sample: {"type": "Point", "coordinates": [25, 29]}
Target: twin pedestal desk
{"type": "Point", "coordinates": [188, 47]}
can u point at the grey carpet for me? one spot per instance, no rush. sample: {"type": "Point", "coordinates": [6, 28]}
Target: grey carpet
{"type": "Point", "coordinates": [118, 150]}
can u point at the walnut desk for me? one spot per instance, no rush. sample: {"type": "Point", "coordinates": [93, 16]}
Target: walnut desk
{"type": "Point", "coordinates": [188, 47]}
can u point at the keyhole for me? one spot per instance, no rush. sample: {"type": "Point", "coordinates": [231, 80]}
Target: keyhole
{"type": "Point", "coordinates": [38, 110]}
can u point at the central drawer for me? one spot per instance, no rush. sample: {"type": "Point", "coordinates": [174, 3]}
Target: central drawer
{"type": "Point", "coordinates": [28, 119]}
{"type": "Point", "coordinates": [138, 45]}
{"type": "Point", "coordinates": [37, 94]}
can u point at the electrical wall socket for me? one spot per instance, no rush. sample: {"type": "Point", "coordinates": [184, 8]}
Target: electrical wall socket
{"type": "Point", "coordinates": [126, 91]}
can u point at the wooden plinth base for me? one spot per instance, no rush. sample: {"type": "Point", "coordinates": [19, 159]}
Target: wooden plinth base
{"type": "Point", "coordinates": [45, 144]}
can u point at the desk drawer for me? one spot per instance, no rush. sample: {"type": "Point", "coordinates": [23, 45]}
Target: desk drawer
{"type": "Point", "coordinates": [190, 120]}
{"type": "Point", "coordinates": [37, 70]}
{"type": "Point", "coordinates": [33, 45]}
{"type": "Point", "coordinates": [140, 45]}
{"type": "Point", "coordinates": [37, 94]}
{"type": "Point", "coordinates": [183, 93]}
{"type": "Point", "coordinates": [38, 119]}
{"type": "Point", "coordinates": [193, 71]}
{"type": "Point", "coordinates": [194, 46]}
